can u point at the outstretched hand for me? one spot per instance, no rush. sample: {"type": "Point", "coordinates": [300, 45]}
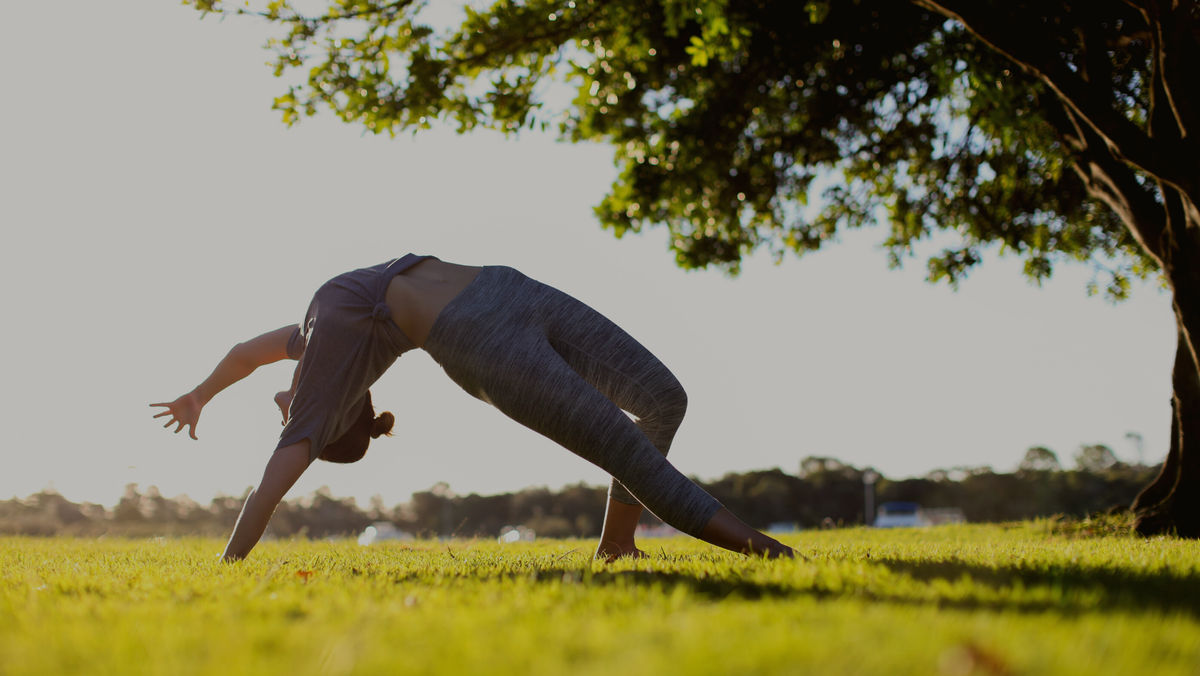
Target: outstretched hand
{"type": "Point", "coordinates": [184, 411]}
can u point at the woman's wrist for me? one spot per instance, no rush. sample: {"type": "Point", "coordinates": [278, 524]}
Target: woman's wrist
{"type": "Point", "coordinates": [200, 395]}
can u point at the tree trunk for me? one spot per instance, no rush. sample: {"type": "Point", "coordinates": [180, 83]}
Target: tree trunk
{"type": "Point", "coordinates": [1161, 487]}
{"type": "Point", "coordinates": [1164, 483]}
{"type": "Point", "coordinates": [1177, 487]}
{"type": "Point", "coordinates": [1179, 510]}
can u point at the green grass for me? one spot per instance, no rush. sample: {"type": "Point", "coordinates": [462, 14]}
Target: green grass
{"type": "Point", "coordinates": [1024, 599]}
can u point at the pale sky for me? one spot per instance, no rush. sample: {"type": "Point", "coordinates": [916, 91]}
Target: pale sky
{"type": "Point", "coordinates": [155, 212]}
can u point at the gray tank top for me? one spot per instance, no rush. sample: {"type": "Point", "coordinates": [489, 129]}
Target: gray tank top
{"type": "Point", "coordinates": [347, 340]}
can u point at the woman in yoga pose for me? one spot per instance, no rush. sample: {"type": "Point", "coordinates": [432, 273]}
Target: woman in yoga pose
{"type": "Point", "coordinates": [542, 357]}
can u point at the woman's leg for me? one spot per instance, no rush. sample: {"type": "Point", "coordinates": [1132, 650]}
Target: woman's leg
{"type": "Point", "coordinates": [635, 380]}
{"type": "Point", "coordinates": [531, 383]}
{"type": "Point", "coordinates": [551, 398]}
{"type": "Point", "coordinates": [617, 533]}
{"type": "Point", "coordinates": [561, 369]}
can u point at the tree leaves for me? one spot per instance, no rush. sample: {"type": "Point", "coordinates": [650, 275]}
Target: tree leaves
{"type": "Point", "coordinates": [740, 124]}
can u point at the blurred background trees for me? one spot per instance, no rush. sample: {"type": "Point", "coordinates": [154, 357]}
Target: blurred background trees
{"type": "Point", "coordinates": [824, 492]}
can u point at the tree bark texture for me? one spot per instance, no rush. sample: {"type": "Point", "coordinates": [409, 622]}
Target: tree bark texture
{"type": "Point", "coordinates": [1171, 504]}
{"type": "Point", "coordinates": [1155, 506]}
{"type": "Point", "coordinates": [1164, 482]}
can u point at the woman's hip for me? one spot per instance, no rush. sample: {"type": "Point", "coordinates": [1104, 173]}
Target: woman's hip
{"type": "Point", "coordinates": [484, 314]}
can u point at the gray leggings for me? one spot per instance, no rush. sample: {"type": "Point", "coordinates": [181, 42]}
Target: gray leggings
{"type": "Point", "coordinates": [564, 370]}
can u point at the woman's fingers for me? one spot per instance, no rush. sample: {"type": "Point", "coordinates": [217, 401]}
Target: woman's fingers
{"type": "Point", "coordinates": [178, 418]}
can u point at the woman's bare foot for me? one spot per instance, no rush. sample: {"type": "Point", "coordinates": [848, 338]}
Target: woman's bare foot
{"type": "Point", "coordinates": [616, 538]}
{"type": "Point", "coordinates": [611, 551]}
{"type": "Point", "coordinates": [726, 530]}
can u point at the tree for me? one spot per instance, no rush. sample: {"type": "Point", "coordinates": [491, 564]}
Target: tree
{"type": "Point", "coordinates": [130, 507]}
{"type": "Point", "coordinates": [1039, 459]}
{"type": "Point", "coordinates": [1095, 458]}
{"type": "Point", "coordinates": [1050, 130]}
{"type": "Point", "coordinates": [816, 466]}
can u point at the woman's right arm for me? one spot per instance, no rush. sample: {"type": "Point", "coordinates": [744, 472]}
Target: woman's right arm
{"type": "Point", "coordinates": [240, 362]}
{"type": "Point", "coordinates": [283, 469]}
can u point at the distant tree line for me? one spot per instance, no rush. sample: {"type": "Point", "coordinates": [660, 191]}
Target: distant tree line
{"type": "Point", "coordinates": [823, 492]}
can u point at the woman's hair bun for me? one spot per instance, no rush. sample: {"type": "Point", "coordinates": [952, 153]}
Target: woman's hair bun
{"type": "Point", "coordinates": [383, 425]}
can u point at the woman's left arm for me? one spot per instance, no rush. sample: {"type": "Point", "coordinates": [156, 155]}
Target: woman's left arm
{"type": "Point", "coordinates": [283, 469]}
{"type": "Point", "coordinates": [240, 362]}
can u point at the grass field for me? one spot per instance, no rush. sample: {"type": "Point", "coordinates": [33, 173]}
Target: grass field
{"type": "Point", "coordinates": [1021, 599]}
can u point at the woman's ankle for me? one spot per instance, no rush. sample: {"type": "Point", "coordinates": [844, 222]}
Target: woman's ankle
{"type": "Point", "coordinates": [613, 549]}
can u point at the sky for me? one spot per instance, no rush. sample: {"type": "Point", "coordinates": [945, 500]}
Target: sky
{"type": "Point", "coordinates": [155, 211]}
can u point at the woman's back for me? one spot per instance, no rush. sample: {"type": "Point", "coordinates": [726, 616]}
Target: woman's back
{"type": "Point", "coordinates": [417, 295]}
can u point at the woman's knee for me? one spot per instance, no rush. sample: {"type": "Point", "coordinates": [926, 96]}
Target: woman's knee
{"type": "Point", "coordinates": [672, 402]}
{"type": "Point", "coordinates": [662, 421]}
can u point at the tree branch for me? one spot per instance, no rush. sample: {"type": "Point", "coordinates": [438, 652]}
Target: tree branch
{"type": "Point", "coordinates": [1089, 101]}
{"type": "Point", "coordinates": [560, 30]}
{"type": "Point", "coordinates": [389, 8]}
{"type": "Point", "coordinates": [1112, 181]}
{"type": "Point", "coordinates": [1170, 62]}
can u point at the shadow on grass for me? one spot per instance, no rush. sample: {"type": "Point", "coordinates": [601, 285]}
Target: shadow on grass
{"type": "Point", "coordinates": [1059, 589]}
{"type": "Point", "coordinates": [1074, 589]}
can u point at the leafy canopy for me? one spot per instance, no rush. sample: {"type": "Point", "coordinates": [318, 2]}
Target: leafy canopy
{"type": "Point", "coordinates": [737, 124]}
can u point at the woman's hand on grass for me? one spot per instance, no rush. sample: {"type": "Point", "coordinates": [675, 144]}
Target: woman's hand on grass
{"type": "Point", "coordinates": [184, 412]}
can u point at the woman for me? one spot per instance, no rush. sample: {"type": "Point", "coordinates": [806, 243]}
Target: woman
{"type": "Point", "coordinates": [543, 358]}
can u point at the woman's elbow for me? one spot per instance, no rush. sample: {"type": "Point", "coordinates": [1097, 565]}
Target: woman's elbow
{"type": "Point", "coordinates": [243, 357]}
